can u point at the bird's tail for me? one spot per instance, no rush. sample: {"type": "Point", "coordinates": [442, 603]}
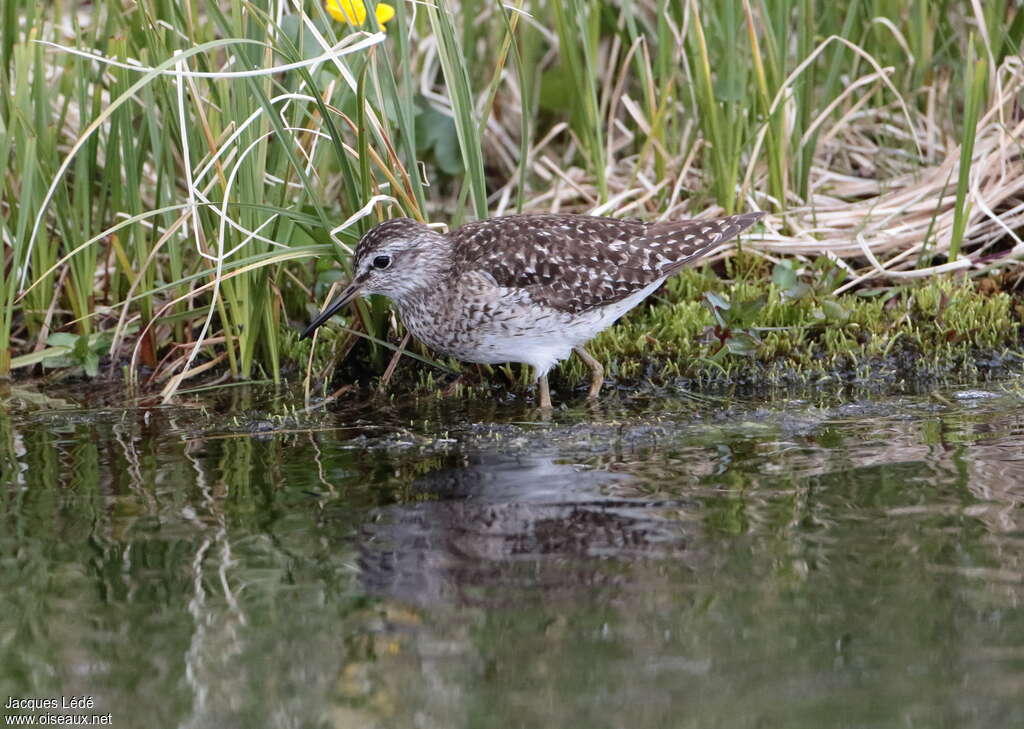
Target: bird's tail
{"type": "Point", "coordinates": [688, 240]}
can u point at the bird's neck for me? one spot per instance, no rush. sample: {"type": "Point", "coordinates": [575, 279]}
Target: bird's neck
{"type": "Point", "coordinates": [431, 277]}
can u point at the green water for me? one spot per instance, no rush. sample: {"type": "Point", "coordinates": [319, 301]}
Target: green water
{"type": "Point", "coordinates": [830, 562]}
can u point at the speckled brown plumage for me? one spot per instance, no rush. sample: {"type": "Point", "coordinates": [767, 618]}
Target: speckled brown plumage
{"type": "Point", "coordinates": [575, 262]}
{"type": "Point", "coordinates": [525, 288]}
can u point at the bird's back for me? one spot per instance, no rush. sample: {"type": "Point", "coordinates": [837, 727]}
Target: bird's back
{"type": "Point", "coordinates": [575, 263]}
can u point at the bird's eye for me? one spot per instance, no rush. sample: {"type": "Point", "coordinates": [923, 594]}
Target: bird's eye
{"type": "Point", "coordinates": [382, 262]}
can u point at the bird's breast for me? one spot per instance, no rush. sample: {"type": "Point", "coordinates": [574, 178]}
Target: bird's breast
{"type": "Point", "coordinates": [433, 317]}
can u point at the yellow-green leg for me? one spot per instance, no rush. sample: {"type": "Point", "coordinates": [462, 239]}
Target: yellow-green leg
{"type": "Point", "coordinates": [545, 393]}
{"type": "Point", "coordinates": [596, 372]}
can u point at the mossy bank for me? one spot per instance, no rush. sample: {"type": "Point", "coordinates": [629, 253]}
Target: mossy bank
{"type": "Point", "coordinates": [747, 322]}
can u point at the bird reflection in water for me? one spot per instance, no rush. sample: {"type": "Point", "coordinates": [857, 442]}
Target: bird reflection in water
{"type": "Point", "coordinates": [500, 524]}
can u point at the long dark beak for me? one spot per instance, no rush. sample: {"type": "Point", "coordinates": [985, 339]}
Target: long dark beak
{"type": "Point", "coordinates": [350, 292]}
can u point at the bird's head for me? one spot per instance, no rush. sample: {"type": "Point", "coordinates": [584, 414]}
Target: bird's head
{"type": "Point", "coordinates": [393, 258]}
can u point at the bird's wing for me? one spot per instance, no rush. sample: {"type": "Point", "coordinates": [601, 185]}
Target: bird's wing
{"type": "Point", "coordinates": [574, 262]}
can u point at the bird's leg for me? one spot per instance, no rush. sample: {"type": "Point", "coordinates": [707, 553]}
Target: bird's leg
{"type": "Point", "coordinates": [460, 379]}
{"type": "Point", "coordinates": [545, 393]}
{"type": "Point", "coordinates": [596, 372]}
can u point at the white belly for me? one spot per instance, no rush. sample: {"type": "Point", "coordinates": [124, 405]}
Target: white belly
{"type": "Point", "coordinates": [550, 339]}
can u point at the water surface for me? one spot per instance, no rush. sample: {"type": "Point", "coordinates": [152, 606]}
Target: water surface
{"type": "Point", "coordinates": [834, 561]}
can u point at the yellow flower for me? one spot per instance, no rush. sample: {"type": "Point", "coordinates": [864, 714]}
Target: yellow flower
{"type": "Point", "coordinates": [353, 12]}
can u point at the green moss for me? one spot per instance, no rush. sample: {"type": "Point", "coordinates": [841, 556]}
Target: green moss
{"type": "Point", "coordinates": [940, 324]}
